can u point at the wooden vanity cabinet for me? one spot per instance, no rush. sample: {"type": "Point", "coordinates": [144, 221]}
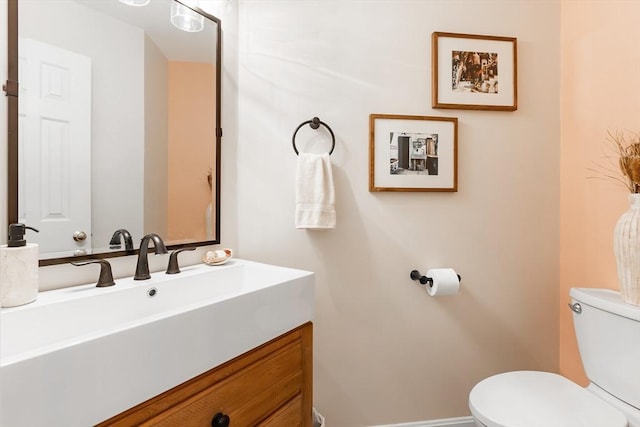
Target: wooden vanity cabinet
{"type": "Point", "coordinates": [269, 386]}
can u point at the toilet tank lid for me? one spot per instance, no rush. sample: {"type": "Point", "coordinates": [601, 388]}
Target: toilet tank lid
{"type": "Point", "coordinates": [607, 300]}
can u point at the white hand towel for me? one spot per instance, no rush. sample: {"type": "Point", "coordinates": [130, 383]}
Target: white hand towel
{"type": "Point", "coordinates": [315, 194]}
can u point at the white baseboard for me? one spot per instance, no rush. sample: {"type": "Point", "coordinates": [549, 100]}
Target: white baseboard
{"type": "Point", "coordinates": [449, 422]}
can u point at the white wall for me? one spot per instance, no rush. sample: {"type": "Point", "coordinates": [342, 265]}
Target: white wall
{"type": "Point", "coordinates": [385, 352]}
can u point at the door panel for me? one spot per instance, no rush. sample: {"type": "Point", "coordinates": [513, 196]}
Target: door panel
{"type": "Point", "coordinates": [55, 145]}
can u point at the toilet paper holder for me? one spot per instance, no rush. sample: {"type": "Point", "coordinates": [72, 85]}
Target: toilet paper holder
{"type": "Point", "coordinates": [423, 280]}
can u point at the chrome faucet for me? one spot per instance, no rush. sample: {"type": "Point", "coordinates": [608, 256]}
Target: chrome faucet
{"type": "Point", "coordinates": [114, 243]}
{"type": "Point", "coordinates": [142, 269]}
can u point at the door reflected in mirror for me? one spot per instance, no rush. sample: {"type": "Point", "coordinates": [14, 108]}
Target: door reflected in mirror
{"type": "Point", "coordinates": [118, 125]}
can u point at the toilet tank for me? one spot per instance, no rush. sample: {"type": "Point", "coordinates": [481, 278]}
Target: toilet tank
{"type": "Point", "coordinates": [608, 332]}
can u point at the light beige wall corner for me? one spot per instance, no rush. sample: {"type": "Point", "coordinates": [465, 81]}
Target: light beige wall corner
{"type": "Point", "coordinates": [385, 352]}
{"type": "Point", "coordinates": [227, 12]}
{"type": "Point", "coordinates": [600, 57]}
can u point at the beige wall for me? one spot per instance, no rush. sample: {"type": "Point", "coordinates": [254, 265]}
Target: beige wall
{"type": "Point", "coordinates": [600, 59]}
{"type": "Point", "coordinates": [386, 352]}
{"type": "Point", "coordinates": [191, 130]}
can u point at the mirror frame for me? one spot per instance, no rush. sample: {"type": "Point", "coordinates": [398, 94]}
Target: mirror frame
{"type": "Point", "coordinates": [11, 89]}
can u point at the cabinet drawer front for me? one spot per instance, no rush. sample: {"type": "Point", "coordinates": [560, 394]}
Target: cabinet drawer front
{"type": "Point", "coordinates": [251, 388]}
{"type": "Point", "coordinates": [289, 415]}
{"type": "Point", "coordinates": [246, 396]}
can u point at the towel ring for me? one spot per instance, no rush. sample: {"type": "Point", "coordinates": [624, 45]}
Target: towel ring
{"type": "Point", "coordinates": [315, 124]}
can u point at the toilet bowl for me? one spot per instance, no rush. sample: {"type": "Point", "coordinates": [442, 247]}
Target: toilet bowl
{"type": "Point", "coordinates": [539, 399]}
{"type": "Point", "coordinates": [608, 332]}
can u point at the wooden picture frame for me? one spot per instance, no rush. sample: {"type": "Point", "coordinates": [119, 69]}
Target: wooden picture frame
{"type": "Point", "coordinates": [465, 72]}
{"type": "Point", "coordinates": [413, 153]}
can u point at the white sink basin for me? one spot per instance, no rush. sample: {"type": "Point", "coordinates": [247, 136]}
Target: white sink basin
{"type": "Point", "coordinates": [80, 355]}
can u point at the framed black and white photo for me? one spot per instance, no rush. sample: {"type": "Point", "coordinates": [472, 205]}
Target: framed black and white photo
{"type": "Point", "coordinates": [472, 72]}
{"type": "Point", "coordinates": [413, 153]}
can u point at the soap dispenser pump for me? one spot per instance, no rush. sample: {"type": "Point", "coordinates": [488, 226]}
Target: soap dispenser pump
{"type": "Point", "coordinates": [18, 268]}
{"type": "Point", "coordinates": [16, 235]}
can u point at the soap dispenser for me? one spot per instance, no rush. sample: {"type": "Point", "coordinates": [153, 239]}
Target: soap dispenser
{"type": "Point", "coordinates": [18, 268]}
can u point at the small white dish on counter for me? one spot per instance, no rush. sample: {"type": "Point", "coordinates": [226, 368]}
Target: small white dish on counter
{"type": "Point", "coordinates": [217, 257]}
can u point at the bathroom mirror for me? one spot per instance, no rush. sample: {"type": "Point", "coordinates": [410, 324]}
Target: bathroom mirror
{"type": "Point", "coordinates": [114, 123]}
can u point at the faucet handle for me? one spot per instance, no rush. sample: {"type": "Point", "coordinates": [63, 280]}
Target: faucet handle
{"type": "Point", "coordinates": [106, 277]}
{"type": "Point", "coordinates": [172, 267]}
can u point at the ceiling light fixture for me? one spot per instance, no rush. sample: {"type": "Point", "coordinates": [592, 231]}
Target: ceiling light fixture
{"type": "Point", "coordinates": [136, 3]}
{"type": "Point", "coordinates": [186, 19]}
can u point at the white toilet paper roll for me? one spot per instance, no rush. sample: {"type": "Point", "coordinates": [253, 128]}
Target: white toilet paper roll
{"type": "Point", "coordinates": [445, 282]}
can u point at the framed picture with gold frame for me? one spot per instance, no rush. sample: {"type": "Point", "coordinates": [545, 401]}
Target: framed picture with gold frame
{"type": "Point", "coordinates": [474, 72]}
{"type": "Point", "coordinates": [413, 153]}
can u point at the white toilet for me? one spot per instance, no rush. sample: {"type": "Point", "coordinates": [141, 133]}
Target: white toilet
{"type": "Point", "coordinates": [608, 332]}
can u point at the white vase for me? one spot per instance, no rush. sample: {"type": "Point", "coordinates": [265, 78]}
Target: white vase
{"type": "Point", "coordinates": [626, 246]}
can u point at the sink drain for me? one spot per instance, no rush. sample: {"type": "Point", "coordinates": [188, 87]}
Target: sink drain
{"type": "Point", "coordinates": [152, 292]}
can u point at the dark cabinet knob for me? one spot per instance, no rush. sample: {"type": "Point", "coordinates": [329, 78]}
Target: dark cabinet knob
{"type": "Point", "coordinates": [220, 420]}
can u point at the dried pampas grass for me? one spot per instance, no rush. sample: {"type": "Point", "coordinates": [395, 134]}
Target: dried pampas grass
{"type": "Point", "coordinates": [626, 146]}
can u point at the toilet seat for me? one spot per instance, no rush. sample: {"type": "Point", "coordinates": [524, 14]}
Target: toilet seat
{"type": "Point", "coordinates": [535, 399]}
